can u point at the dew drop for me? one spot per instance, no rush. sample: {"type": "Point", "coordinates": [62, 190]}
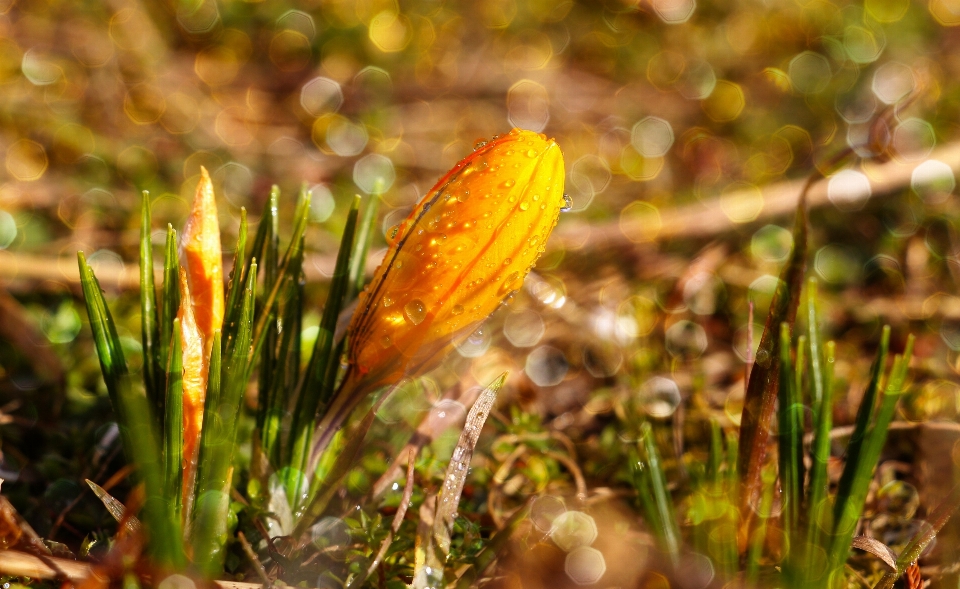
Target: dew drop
{"type": "Point", "coordinates": [479, 144]}
{"type": "Point", "coordinates": [463, 196]}
{"type": "Point", "coordinates": [567, 203]}
{"type": "Point", "coordinates": [415, 311]}
{"type": "Point", "coordinates": [508, 183]}
{"type": "Point", "coordinates": [457, 310]}
{"type": "Point", "coordinates": [387, 300]}
{"type": "Point", "coordinates": [536, 197]}
{"type": "Point", "coordinates": [531, 153]}
{"type": "Point", "coordinates": [507, 261]}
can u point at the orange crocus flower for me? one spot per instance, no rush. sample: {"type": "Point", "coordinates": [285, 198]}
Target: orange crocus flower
{"type": "Point", "coordinates": [204, 260]}
{"type": "Point", "coordinates": [194, 385]}
{"type": "Point", "coordinates": [467, 246]}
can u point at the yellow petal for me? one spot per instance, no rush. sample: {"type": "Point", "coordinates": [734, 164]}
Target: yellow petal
{"type": "Point", "coordinates": [204, 259]}
{"type": "Point", "coordinates": [467, 246]}
{"type": "Point", "coordinates": [194, 383]}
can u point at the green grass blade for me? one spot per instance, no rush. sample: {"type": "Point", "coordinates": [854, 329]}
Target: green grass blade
{"type": "Point", "coordinates": [170, 304]}
{"type": "Point", "coordinates": [817, 504]}
{"type": "Point", "coordinates": [654, 495]}
{"type": "Point", "coordinates": [287, 367]}
{"type": "Point", "coordinates": [135, 420]}
{"type": "Point", "coordinates": [864, 417]}
{"type": "Point", "coordinates": [218, 441]}
{"type": "Point", "coordinates": [301, 217]}
{"type": "Point", "coordinates": [241, 264]}
{"type": "Point", "coordinates": [170, 293]}
{"type": "Point", "coordinates": [313, 394]}
{"type": "Point", "coordinates": [760, 400]}
{"type": "Point", "coordinates": [271, 334]}
{"type": "Point", "coordinates": [365, 233]}
{"type": "Point", "coordinates": [817, 378]}
{"type": "Point", "coordinates": [789, 415]}
{"type": "Point", "coordinates": [149, 328]}
{"type": "Point", "coordinates": [173, 428]}
{"type": "Point", "coordinates": [851, 508]}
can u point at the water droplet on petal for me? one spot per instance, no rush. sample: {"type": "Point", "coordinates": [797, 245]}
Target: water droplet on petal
{"type": "Point", "coordinates": [567, 203]}
{"type": "Point", "coordinates": [387, 300]}
{"type": "Point", "coordinates": [415, 311]}
{"type": "Point", "coordinates": [524, 206]}
{"type": "Point", "coordinates": [457, 310]}
{"type": "Point", "coordinates": [508, 183]}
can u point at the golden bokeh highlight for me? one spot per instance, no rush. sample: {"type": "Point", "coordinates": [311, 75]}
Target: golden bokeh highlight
{"type": "Point", "coordinates": [390, 32]}
{"type": "Point", "coordinates": [640, 222]}
{"type": "Point", "coordinates": [947, 12]}
{"type": "Point", "coordinates": [182, 113]}
{"type": "Point", "coordinates": [72, 141]}
{"type": "Point", "coordinates": [637, 167]}
{"type": "Point", "coordinates": [725, 103]}
{"type": "Point", "coordinates": [144, 104]}
{"type": "Point", "coordinates": [290, 51]}
{"type": "Point", "coordinates": [216, 66]}
{"type": "Point", "coordinates": [26, 160]}
{"type": "Point", "coordinates": [741, 202]}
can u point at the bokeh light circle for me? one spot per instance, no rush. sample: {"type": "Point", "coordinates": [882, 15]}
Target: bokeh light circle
{"type": "Point", "coordinates": [573, 529]}
{"type": "Point", "coordinates": [528, 106]}
{"type": "Point", "coordinates": [849, 190]}
{"type": "Point", "coordinates": [914, 139]}
{"type": "Point", "coordinates": [320, 96]}
{"type": "Point", "coordinates": [322, 204]}
{"type": "Point", "coordinates": [809, 72]}
{"type": "Point", "coordinates": [374, 173]}
{"type": "Point", "coordinates": [771, 243]}
{"type": "Point", "coordinates": [652, 137]}
{"type": "Point", "coordinates": [26, 160]}
{"type": "Point", "coordinates": [892, 82]}
{"type": "Point", "coordinates": [523, 328]}
{"type": "Point", "coordinates": [674, 11]}
{"type": "Point", "coordinates": [933, 179]}
{"type": "Point", "coordinates": [585, 565]}
{"type": "Point", "coordinates": [546, 366]}
{"type": "Point", "coordinates": [8, 229]}
{"type": "Point", "coordinates": [659, 397]}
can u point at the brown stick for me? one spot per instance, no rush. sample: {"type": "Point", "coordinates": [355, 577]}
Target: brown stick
{"type": "Point", "coordinates": [21, 564]}
{"type": "Point", "coordinates": [706, 219]}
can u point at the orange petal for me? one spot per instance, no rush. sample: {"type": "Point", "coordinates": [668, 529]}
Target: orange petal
{"type": "Point", "coordinates": [468, 245]}
{"type": "Point", "coordinates": [194, 384]}
{"type": "Point", "coordinates": [204, 259]}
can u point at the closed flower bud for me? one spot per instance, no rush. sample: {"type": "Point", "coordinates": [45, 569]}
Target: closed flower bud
{"type": "Point", "coordinates": [204, 260]}
{"type": "Point", "coordinates": [467, 245]}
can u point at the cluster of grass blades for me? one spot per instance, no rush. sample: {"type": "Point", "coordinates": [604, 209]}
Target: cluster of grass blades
{"type": "Point", "coordinates": [779, 523]}
{"type": "Point", "coordinates": [183, 426]}
{"type": "Point", "coordinates": [763, 518]}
